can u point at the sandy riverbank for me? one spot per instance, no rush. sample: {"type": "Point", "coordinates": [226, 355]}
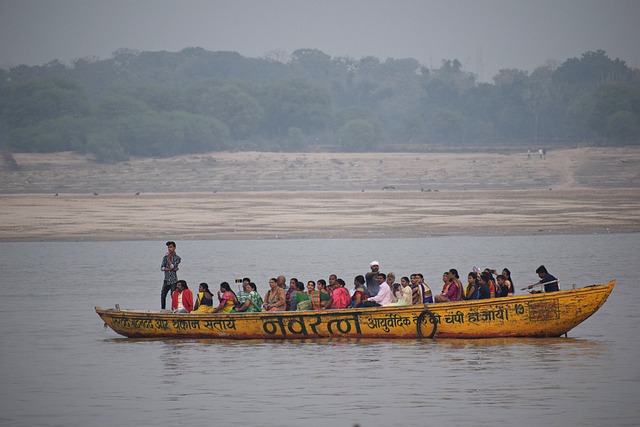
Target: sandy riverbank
{"type": "Point", "coordinates": [320, 195]}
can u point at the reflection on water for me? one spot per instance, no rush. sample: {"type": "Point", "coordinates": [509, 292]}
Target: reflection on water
{"type": "Point", "coordinates": [61, 367]}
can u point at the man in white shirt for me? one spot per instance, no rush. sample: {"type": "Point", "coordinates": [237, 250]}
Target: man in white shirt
{"type": "Point", "coordinates": [384, 296]}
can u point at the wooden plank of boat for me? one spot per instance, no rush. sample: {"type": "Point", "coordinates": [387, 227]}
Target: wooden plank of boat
{"type": "Point", "coordinates": [532, 315]}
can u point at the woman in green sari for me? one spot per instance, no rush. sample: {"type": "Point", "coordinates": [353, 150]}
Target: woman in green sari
{"type": "Point", "coordinates": [304, 299]}
{"type": "Point", "coordinates": [314, 294]}
{"type": "Point", "coordinates": [253, 302]}
{"type": "Point", "coordinates": [321, 297]}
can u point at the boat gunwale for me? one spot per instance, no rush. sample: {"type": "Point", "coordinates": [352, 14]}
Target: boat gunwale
{"type": "Point", "coordinates": [434, 307]}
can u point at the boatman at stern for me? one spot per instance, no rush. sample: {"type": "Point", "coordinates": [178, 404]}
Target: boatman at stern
{"type": "Point", "coordinates": [550, 282]}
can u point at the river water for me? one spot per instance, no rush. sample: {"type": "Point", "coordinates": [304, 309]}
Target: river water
{"type": "Point", "coordinates": [60, 367]}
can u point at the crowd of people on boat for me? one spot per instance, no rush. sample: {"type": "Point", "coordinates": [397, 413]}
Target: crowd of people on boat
{"type": "Point", "coordinates": [372, 289]}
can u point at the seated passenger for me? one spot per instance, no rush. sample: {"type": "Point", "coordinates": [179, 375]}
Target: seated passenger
{"type": "Point", "coordinates": [445, 288]}
{"type": "Point", "coordinates": [484, 282]}
{"type": "Point", "coordinates": [445, 282]}
{"type": "Point", "coordinates": [321, 298]}
{"type": "Point", "coordinates": [303, 300]}
{"type": "Point", "coordinates": [360, 293]}
{"type": "Point", "coordinates": [493, 289]}
{"type": "Point", "coordinates": [393, 285]}
{"type": "Point", "coordinates": [182, 298]}
{"type": "Point", "coordinates": [452, 290]}
{"type": "Point", "coordinates": [204, 303]}
{"type": "Point", "coordinates": [290, 295]}
{"type": "Point", "coordinates": [242, 295]}
{"type": "Point", "coordinates": [507, 274]}
{"type": "Point", "coordinates": [275, 298]}
{"type": "Point", "coordinates": [340, 297]}
{"type": "Point", "coordinates": [384, 295]}
{"type": "Point", "coordinates": [252, 302]}
{"type": "Point", "coordinates": [455, 278]}
{"type": "Point", "coordinates": [311, 287]}
{"type": "Point", "coordinates": [502, 284]}
{"type": "Point", "coordinates": [421, 293]}
{"type": "Point", "coordinates": [312, 292]}
{"type": "Point", "coordinates": [473, 287]}
{"type": "Point", "coordinates": [405, 294]}
{"type": "Point", "coordinates": [227, 298]}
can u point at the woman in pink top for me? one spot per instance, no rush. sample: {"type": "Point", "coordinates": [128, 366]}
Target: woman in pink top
{"type": "Point", "coordinates": [452, 291]}
{"type": "Point", "coordinates": [227, 299]}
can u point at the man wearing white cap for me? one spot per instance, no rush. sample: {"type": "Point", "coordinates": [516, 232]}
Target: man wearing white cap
{"type": "Point", "coordinates": [371, 277]}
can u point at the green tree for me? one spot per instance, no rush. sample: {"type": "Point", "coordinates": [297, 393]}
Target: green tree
{"type": "Point", "coordinates": [170, 133]}
{"type": "Point", "coordinates": [159, 97]}
{"type": "Point", "coordinates": [229, 103]}
{"type": "Point", "coordinates": [611, 111]}
{"type": "Point", "coordinates": [359, 135]}
{"type": "Point", "coordinates": [201, 134]}
{"type": "Point", "coordinates": [512, 118]}
{"type": "Point", "coordinates": [593, 69]}
{"type": "Point", "coordinates": [443, 91]}
{"type": "Point", "coordinates": [312, 62]}
{"type": "Point", "coordinates": [624, 126]}
{"type": "Point", "coordinates": [105, 148]}
{"type": "Point", "coordinates": [538, 98]}
{"type": "Point", "coordinates": [296, 140]}
{"type": "Point", "coordinates": [116, 106]}
{"type": "Point", "coordinates": [344, 115]}
{"type": "Point", "coordinates": [30, 102]}
{"type": "Point", "coordinates": [296, 103]}
{"type": "Point", "coordinates": [63, 133]}
{"type": "Point", "coordinates": [481, 105]}
{"type": "Point", "coordinates": [447, 126]}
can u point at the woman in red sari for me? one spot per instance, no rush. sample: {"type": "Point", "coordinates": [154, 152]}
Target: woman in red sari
{"type": "Point", "coordinates": [360, 294]}
{"type": "Point", "coordinates": [340, 297]}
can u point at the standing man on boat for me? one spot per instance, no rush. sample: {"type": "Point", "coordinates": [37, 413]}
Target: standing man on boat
{"type": "Point", "coordinates": [170, 263]}
{"type": "Point", "coordinates": [372, 278]}
{"type": "Point", "coordinates": [549, 282]}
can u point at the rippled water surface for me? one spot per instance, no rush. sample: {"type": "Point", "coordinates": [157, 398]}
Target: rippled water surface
{"type": "Point", "coordinates": [60, 367]}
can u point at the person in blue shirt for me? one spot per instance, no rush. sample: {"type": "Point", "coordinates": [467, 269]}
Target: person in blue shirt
{"type": "Point", "coordinates": [473, 287]}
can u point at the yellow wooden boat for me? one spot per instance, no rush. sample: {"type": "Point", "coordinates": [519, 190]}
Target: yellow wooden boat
{"type": "Point", "coordinates": [531, 315]}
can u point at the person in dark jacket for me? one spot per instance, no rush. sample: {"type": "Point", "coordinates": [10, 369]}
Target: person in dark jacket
{"type": "Point", "coordinates": [549, 282]}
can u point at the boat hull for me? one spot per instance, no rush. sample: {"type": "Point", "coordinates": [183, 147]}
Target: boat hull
{"type": "Point", "coordinates": [536, 315]}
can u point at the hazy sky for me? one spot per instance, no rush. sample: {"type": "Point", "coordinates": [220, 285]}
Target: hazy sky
{"type": "Point", "coordinates": [484, 35]}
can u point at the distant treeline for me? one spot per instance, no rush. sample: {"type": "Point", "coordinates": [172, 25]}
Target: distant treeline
{"type": "Point", "coordinates": [193, 101]}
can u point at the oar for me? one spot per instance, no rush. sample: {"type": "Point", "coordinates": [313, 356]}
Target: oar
{"type": "Point", "coordinates": [539, 284]}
